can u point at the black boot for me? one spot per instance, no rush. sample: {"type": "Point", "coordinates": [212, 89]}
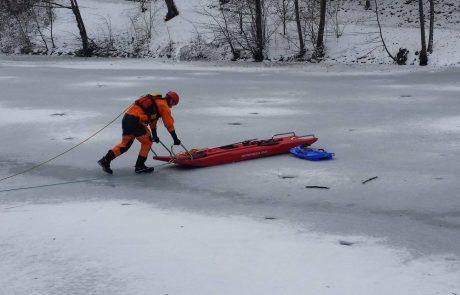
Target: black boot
{"type": "Point", "coordinates": [105, 162]}
{"type": "Point", "coordinates": [140, 166]}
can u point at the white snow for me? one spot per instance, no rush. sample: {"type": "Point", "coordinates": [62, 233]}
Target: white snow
{"type": "Point", "coordinates": [119, 247]}
{"type": "Point", "coordinates": [359, 41]}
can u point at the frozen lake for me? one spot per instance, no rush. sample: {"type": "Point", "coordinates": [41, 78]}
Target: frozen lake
{"type": "Point", "coordinates": [400, 124]}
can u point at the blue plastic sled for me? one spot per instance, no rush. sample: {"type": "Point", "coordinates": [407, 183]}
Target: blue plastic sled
{"type": "Point", "coordinates": [304, 152]}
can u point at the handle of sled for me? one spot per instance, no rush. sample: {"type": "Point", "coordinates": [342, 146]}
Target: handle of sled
{"type": "Point", "coordinates": [185, 149]}
{"type": "Point", "coordinates": [308, 135]}
{"type": "Point", "coordinates": [166, 148]}
{"type": "Point", "coordinates": [153, 152]}
{"type": "Point", "coordinates": [280, 134]}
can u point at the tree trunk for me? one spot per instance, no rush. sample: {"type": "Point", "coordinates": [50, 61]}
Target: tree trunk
{"type": "Point", "coordinates": [241, 22]}
{"type": "Point", "coordinates": [86, 51]}
{"type": "Point", "coordinates": [380, 31]}
{"type": "Point", "coordinates": [423, 55]}
{"type": "Point", "coordinates": [299, 29]}
{"type": "Point", "coordinates": [430, 38]}
{"type": "Point", "coordinates": [285, 16]}
{"type": "Point", "coordinates": [319, 50]}
{"type": "Point", "coordinates": [259, 51]}
{"type": "Point", "coordinates": [51, 17]}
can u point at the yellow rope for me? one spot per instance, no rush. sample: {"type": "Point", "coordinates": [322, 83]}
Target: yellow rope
{"type": "Point", "coordinates": [68, 150]}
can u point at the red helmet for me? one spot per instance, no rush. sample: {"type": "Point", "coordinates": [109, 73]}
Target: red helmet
{"type": "Point", "coordinates": [173, 96]}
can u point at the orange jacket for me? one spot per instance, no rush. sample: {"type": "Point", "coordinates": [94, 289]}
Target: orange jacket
{"type": "Point", "coordinates": [162, 110]}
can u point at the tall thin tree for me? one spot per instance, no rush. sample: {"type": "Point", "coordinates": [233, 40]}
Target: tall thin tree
{"type": "Point", "coordinates": [49, 10]}
{"type": "Point", "coordinates": [319, 50]}
{"type": "Point", "coordinates": [259, 50]}
{"type": "Point", "coordinates": [86, 51]}
{"type": "Point", "coordinates": [285, 15]}
{"type": "Point", "coordinates": [430, 38]}
{"type": "Point", "coordinates": [299, 29]}
{"type": "Point", "coordinates": [380, 31]}
{"type": "Point", "coordinates": [423, 58]}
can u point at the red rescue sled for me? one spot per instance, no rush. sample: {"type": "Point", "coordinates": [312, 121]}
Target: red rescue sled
{"type": "Point", "coordinates": [240, 151]}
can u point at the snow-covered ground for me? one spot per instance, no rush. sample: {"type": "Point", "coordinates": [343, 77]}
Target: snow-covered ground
{"type": "Point", "coordinates": [245, 228]}
{"type": "Point", "coordinates": [359, 42]}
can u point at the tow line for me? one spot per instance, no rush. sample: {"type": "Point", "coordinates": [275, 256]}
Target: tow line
{"type": "Point", "coordinates": [69, 182]}
{"type": "Point", "coordinates": [66, 151]}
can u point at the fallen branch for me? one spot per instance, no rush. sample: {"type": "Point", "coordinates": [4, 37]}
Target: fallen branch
{"type": "Point", "coordinates": [367, 180]}
{"type": "Point", "coordinates": [315, 186]}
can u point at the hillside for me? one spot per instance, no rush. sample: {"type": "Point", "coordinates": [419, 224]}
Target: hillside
{"type": "Point", "coordinates": [120, 29]}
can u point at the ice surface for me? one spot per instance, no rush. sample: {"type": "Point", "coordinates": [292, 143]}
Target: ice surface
{"type": "Point", "coordinates": [250, 227]}
{"type": "Point", "coordinates": [119, 247]}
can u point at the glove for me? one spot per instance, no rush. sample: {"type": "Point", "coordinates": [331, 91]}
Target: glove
{"type": "Point", "coordinates": [174, 136]}
{"type": "Point", "coordinates": [154, 137]}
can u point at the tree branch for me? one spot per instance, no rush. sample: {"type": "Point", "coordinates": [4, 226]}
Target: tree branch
{"type": "Point", "coordinates": [380, 30]}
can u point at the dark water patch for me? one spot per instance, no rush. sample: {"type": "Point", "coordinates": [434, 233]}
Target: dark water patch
{"type": "Point", "coordinates": [345, 243]}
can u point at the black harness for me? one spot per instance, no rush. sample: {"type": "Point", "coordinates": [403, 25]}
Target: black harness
{"type": "Point", "coordinates": [152, 109]}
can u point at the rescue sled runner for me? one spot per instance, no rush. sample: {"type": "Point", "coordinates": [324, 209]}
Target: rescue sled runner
{"type": "Point", "coordinates": [240, 151]}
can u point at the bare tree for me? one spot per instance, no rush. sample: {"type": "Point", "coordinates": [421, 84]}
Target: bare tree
{"type": "Point", "coordinates": [242, 23]}
{"type": "Point", "coordinates": [221, 27]}
{"type": "Point", "coordinates": [380, 31]}
{"type": "Point", "coordinates": [259, 37]}
{"type": "Point", "coordinates": [87, 49]}
{"type": "Point", "coordinates": [319, 49]}
{"type": "Point", "coordinates": [423, 58]}
{"type": "Point", "coordinates": [302, 50]}
{"type": "Point", "coordinates": [50, 11]}
{"type": "Point", "coordinates": [334, 16]}
{"type": "Point", "coordinates": [36, 16]}
{"type": "Point", "coordinates": [430, 38]}
{"type": "Point", "coordinates": [148, 18]}
{"type": "Point", "coordinates": [282, 10]}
